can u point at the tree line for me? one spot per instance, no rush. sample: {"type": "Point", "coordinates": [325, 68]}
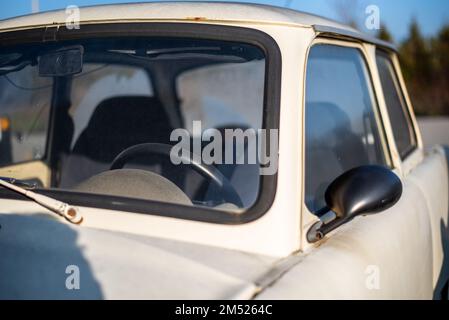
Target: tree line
{"type": "Point", "coordinates": [425, 65]}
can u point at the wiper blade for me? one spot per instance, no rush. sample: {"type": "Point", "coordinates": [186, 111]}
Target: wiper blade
{"type": "Point", "coordinates": [63, 209]}
{"type": "Point", "coordinates": [19, 183]}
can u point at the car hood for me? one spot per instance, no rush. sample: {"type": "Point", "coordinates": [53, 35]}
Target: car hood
{"type": "Point", "coordinates": [42, 258]}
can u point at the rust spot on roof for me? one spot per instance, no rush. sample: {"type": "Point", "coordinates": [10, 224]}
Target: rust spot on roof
{"type": "Point", "coordinates": [196, 18]}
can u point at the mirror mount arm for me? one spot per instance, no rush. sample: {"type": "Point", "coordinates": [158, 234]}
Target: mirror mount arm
{"type": "Point", "coordinates": [363, 190]}
{"type": "Point", "coordinates": [328, 222]}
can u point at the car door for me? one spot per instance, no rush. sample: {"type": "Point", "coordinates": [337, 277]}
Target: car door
{"type": "Point", "coordinates": [387, 255]}
{"type": "Point", "coordinates": [430, 174]}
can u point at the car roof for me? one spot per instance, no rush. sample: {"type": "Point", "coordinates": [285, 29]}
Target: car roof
{"type": "Point", "coordinates": [190, 11]}
{"type": "Point", "coordinates": [177, 11]}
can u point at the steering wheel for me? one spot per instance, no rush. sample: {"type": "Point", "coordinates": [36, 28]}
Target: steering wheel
{"type": "Point", "coordinates": [228, 192]}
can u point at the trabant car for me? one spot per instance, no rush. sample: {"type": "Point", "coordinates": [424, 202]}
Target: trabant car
{"type": "Point", "coordinates": [212, 151]}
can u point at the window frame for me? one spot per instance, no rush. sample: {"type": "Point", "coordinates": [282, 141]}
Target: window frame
{"type": "Point", "coordinates": [404, 104]}
{"type": "Point", "coordinates": [379, 117]}
{"type": "Point", "coordinates": [271, 111]}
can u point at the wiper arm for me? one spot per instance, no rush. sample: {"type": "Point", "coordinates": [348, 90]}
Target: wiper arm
{"type": "Point", "coordinates": [63, 209]}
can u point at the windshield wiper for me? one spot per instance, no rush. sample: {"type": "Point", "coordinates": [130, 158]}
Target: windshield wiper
{"type": "Point", "coordinates": [63, 209]}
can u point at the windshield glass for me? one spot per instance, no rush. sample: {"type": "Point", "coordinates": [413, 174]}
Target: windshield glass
{"type": "Point", "coordinates": [25, 101]}
{"type": "Point", "coordinates": [165, 119]}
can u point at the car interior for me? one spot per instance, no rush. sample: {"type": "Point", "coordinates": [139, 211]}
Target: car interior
{"type": "Point", "coordinates": [130, 114]}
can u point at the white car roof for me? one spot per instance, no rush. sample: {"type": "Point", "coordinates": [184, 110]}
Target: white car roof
{"type": "Point", "coordinates": [210, 11]}
{"type": "Point", "coordinates": [190, 11]}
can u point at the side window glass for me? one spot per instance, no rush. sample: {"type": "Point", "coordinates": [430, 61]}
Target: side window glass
{"type": "Point", "coordinates": [404, 135]}
{"type": "Point", "coordinates": [342, 130]}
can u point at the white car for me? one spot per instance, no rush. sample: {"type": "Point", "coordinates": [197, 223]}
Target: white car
{"type": "Point", "coordinates": [212, 151]}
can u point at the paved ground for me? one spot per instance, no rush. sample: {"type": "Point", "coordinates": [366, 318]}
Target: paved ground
{"type": "Point", "coordinates": [434, 130]}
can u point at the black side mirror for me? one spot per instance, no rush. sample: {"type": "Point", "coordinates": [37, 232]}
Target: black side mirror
{"type": "Point", "coordinates": [360, 191]}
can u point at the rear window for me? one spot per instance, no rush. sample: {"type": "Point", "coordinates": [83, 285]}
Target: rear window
{"type": "Point", "coordinates": [401, 123]}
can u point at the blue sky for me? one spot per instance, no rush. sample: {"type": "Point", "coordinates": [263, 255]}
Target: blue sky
{"type": "Point", "coordinates": [395, 14]}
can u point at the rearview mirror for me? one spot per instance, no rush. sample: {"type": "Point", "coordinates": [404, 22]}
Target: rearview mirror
{"type": "Point", "coordinates": [63, 62]}
{"type": "Point", "coordinates": [361, 191]}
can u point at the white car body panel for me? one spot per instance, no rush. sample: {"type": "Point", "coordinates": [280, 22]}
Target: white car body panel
{"type": "Point", "coordinates": [427, 176]}
{"type": "Point", "coordinates": [114, 265]}
{"type": "Point", "coordinates": [397, 242]}
{"type": "Point", "coordinates": [269, 257]}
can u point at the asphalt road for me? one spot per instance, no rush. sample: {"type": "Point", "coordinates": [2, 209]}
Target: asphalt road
{"type": "Point", "coordinates": [434, 130]}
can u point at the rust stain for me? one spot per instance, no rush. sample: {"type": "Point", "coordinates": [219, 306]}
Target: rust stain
{"type": "Point", "coordinates": [196, 18]}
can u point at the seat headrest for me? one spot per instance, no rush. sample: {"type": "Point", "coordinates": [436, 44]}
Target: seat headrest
{"type": "Point", "coordinates": [120, 122]}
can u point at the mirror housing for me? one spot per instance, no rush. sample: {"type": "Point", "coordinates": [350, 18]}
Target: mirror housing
{"type": "Point", "coordinates": [360, 191]}
{"type": "Point", "coordinates": [63, 62]}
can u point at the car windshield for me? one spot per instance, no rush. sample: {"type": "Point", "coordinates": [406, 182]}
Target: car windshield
{"type": "Point", "coordinates": [163, 119]}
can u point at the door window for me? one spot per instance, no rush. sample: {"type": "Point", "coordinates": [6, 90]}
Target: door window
{"type": "Point", "coordinates": [342, 130]}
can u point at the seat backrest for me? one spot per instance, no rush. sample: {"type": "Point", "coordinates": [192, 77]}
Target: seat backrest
{"type": "Point", "coordinates": [116, 124]}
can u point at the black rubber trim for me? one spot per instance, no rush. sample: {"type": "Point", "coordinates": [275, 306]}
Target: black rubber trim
{"type": "Point", "coordinates": [271, 111]}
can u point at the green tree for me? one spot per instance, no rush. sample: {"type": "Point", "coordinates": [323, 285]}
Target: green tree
{"type": "Point", "coordinates": [418, 67]}
{"type": "Point", "coordinates": [416, 56]}
{"type": "Point", "coordinates": [384, 34]}
{"type": "Point", "coordinates": [440, 53]}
